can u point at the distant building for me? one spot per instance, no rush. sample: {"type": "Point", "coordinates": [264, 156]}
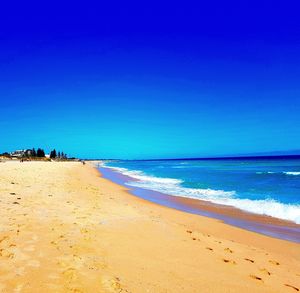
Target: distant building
{"type": "Point", "coordinates": [17, 153]}
{"type": "Point", "coordinates": [21, 153]}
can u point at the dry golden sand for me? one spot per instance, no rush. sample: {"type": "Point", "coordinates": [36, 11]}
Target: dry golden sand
{"type": "Point", "coordinates": [65, 229]}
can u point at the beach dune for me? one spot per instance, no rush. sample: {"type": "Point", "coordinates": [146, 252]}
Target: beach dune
{"type": "Point", "coordinates": [64, 228]}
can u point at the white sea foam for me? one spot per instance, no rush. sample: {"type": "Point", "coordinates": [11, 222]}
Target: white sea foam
{"type": "Point", "coordinates": [292, 173]}
{"type": "Point", "coordinates": [269, 207]}
{"type": "Point", "coordinates": [284, 173]}
{"type": "Point", "coordinates": [139, 175]}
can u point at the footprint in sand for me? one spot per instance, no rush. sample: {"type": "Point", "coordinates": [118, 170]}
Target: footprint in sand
{"type": "Point", "coordinates": [112, 284]}
{"type": "Point", "coordinates": [274, 262]}
{"type": "Point", "coordinates": [209, 248]}
{"type": "Point", "coordinates": [70, 273]}
{"type": "Point", "coordinates": [250, 260]}
{"type": "Point", "coordinates": [256, 278]}
{"type": "Point", "coordinates": [4, 238]}
{"type": "Point", "coordinates": [293, 287]}
{"type": "Point", "coordinates": [265, 271]}
{"type": "Point", "coordinates": [228, 250]}
{"type": "Point", "coordinates": [9, 255]}
{"type": "Point", "coordinates": [229, 261]}
{"type": "Point", "coordinates": [84, 230]}
{"type": "Point", "coordinates": [18, 288]}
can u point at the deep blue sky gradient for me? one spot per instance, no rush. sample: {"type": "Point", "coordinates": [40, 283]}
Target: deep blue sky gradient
{"type": "Point", "coordinates": [151, 80]}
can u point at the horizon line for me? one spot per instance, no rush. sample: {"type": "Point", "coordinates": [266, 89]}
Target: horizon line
{"type": "Point", "coordinates": [207, 158]}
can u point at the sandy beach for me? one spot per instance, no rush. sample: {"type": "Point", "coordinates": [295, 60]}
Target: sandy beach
{"type": "Point", "coordinates": [64, 228]}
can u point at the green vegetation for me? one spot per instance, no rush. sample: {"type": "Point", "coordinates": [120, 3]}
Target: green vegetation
{"type": "Point", "coordinates": [58, 156]}
{"type": "Point", "coordinates": [53, 154]}
{"type": "Point", "coordinates": [33, 154]}
{"type": "Point", "coordinates": [39, 153]}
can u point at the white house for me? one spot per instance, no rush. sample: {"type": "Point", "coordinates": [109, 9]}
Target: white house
{"type": "Point", "coordinates": [21, 153]}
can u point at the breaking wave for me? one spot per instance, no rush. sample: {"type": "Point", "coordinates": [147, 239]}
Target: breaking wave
{"type": "Point", "coordinates": [171, 186]}
{"type": "Point", "coordinates": [281, 173]}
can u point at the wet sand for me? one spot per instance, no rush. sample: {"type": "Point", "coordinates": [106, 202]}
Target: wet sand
{"type": "Point", "coordinates": [64, 228]}
{"type": "Point", "coordinates": [263, 224]}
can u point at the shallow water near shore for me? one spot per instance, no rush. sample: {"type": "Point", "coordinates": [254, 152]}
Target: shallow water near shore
{"type": "Point", "coordinates": [263, 224]}
{"type": "Point", "coordinates": [263, 186]}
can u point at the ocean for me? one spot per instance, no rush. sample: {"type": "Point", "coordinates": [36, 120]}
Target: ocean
{"type": "Point", "coordinates": [262, 186]}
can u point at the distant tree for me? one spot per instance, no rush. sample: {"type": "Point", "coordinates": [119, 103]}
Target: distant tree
{"type": "Point", "coordinates": [53, 154]}
{"type": "Point", "coordinates": [40, 153]}
{"type": "Point", "coordinates": [58, 154]}
{"type": "Point", "coordinates": [33, 152]}
{"type": "Point", "coordinates": [62, 155]}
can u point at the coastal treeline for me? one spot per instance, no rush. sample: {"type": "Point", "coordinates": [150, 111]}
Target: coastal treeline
{"type": "Point", "coordinates": [58, 155]}
{"type": "Point", "coordinates": [25, 154]}
{"type": "Point", "coordinates": [39, 153]}
{"type": "Point", "coordinates": [30, 153]}
{"type": "Point", "coordinates": [35, 154]}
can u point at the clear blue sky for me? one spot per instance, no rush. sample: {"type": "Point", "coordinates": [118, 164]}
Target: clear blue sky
{"type": "Point", "coordinates": [151, 80]}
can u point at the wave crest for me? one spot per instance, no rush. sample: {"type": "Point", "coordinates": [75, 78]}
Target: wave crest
{"type": "Point", "coordinates": [294, 173]}
{"type": "Point", "coordinates": [139, 175]}
{"type": "Point", "coordinates": [171, 186]}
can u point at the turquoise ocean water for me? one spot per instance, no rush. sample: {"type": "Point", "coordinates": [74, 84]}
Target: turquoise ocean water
{"type": "Point", "coordinates": [262, 186]}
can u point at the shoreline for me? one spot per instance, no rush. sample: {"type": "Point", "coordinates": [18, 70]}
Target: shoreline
{"type": "Point", "coordinates": [65, 228]}
{"type": "Point", "coordinates": [263, 224]}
